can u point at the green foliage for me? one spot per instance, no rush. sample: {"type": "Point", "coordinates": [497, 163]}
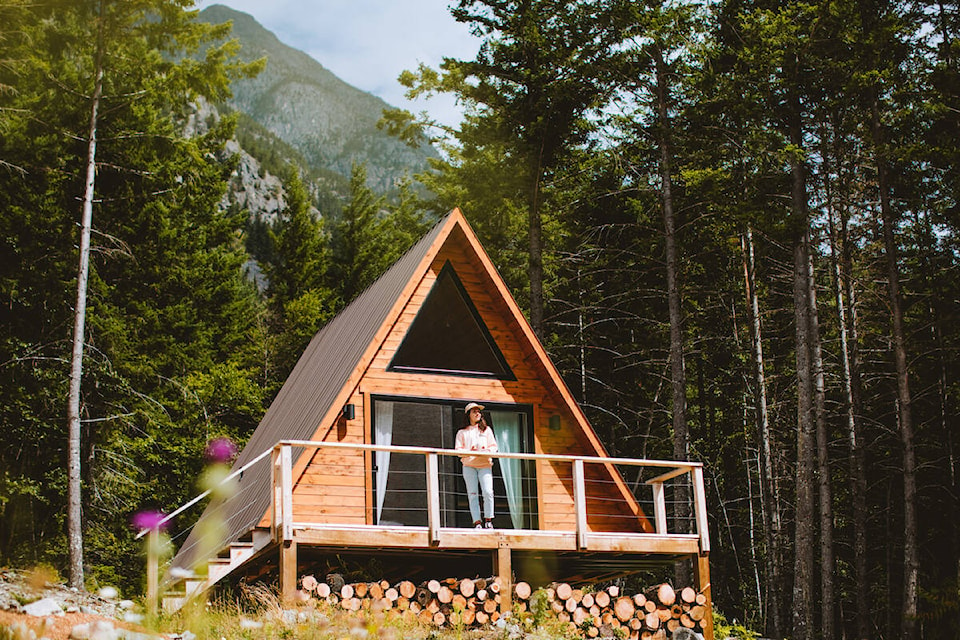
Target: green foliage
{"type": "Point", "coordinates": [167, 300]}
{"type": "Point", "coordinates": [370, 234]}
{"type": "Point", "coordinates": [723, 629]}
{"type": "Point", "coordinates": [560, 122]}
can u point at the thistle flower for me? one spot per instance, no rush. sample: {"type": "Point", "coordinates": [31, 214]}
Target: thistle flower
{"type": "Point", "coordinates": [149, 519]}
{"type": "Point", "coordinates": [220, 451]}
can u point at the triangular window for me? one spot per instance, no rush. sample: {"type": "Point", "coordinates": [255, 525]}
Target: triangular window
{"type": "Point", "coordinates": [448, 336]}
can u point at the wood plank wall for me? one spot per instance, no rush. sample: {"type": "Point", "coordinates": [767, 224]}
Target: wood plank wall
{"type": "Point", "coordinates": [336, 486]}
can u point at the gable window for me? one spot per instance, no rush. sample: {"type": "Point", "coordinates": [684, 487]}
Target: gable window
{"type": "Point", "coordinates": [449, 337]}
{"type": "Point", "coordinates": [400, 484]}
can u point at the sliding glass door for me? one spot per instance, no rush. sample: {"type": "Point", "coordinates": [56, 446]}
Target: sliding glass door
{"type": "Point", "coordinates": [400, 484]}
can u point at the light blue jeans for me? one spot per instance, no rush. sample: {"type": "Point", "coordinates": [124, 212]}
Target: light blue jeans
{"type": "Point", "coordinates": [482, 476]}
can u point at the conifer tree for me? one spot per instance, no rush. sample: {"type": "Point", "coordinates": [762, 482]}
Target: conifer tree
{"type": "Point", "coordinates": [542, 70]}
{"type": "Point", "coordinates": [297, 273]}
{"type": "Point", "coordinates": [108, 91]}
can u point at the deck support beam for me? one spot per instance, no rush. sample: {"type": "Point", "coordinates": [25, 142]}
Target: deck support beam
{"type": "Point", "coordinates": [702, 578]}
{"type": "Point", "coordinates": [580, 503]}
{"type": "Point", "coordinates": [503, 569]}
{"type": "Point", "coordinates": [288, 570]}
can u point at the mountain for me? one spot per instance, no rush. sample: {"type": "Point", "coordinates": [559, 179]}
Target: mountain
{"type": "Point", "coordinates": [329, 123]}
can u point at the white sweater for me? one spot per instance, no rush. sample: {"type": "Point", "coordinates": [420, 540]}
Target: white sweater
{"type": "Point", "coordinates": [473, 439]}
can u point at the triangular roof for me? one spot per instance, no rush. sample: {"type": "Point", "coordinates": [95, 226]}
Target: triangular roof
{"type": "Point", "coordinates": [322, 380]}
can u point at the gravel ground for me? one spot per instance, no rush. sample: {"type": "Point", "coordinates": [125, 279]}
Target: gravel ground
{"type": "Point", "coordinates": [32, 606]}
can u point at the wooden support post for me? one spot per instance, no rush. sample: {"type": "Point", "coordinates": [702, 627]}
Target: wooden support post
{"type": "Point", "coordinates": [288, 571]}
{"type": "Point", "coordinates": [276, 509]}
{"type": "Point", "coordinates": [659, 508]}
{"type": "Point", "coordinates": [153, 571]}
{"type": "Point", "coordinates": [433, 498]}
{"type": "Point", "coordinates": [580, 503]}
{"type": "Point", "coordinates": [702, 576]}
{"type": "Point", "coordinates": [504, 570]}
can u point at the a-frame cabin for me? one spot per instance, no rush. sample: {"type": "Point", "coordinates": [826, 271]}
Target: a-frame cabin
{"type": "Point", "coordinates": [353, 456]}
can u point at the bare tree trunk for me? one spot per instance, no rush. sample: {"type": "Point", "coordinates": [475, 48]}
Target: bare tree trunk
{"type": "Point", "coordinates": [911, 559]}
{"type": "Point", "coordinates": [770, 510]}
{"type": "Point", "coordinates": [681, 437]}
{"type": "Point", "coordinates": [955, 491]}
{"type": "Point", "coordinates": [74, 489]}
{"type": "Point", "coordinates": [803, 575]}
{"type": "Point", "coordinates": [850, 380]}
{"type": "Point", "coordinates": [535, 251]}
{"type": "Point", "coordinates": [806, 439]}
{"type": "Point", "coordinates": [827, 569]}
{"type": "Point", "coordinates": [943, 393]}
{"type": "Point", "coordinates": [752, 527]}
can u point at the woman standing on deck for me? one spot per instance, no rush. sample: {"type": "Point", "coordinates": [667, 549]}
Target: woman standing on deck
{"type": "Point", "coordinates": [475, 440]}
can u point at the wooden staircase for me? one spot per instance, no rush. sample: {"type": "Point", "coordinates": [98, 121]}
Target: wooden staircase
{"type": "Point", "coordinates": [182, 589]}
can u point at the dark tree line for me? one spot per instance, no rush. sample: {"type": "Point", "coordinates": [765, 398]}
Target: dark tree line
{"type": "Point", "coordinates": [749, 254]}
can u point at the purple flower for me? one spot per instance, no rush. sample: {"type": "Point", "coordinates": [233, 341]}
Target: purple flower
{"type": "Point", "coordinates": [220, 450]}
{"type": "Point", "coordinates": [150, 519]}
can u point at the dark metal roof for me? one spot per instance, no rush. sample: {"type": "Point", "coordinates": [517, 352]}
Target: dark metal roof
{"type": "Point", "coordinates": [305, 398]}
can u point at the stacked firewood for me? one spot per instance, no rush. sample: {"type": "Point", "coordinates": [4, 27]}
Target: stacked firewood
{"type": "Point", "coordinates": [449, 602]}
{"type": "Point", "coordinates": [651, 615]}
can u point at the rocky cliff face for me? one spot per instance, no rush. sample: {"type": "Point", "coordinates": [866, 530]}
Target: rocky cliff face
{"type": "Point", "coordinates": [251, 187]}
{"type": "Point", "coordinates": [328, 122]}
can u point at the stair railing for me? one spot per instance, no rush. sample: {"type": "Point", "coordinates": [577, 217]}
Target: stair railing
{"type": "Point", "coordinates": [153, 543]}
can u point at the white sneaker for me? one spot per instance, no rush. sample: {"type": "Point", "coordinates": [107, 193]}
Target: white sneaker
{"type": "Point", "coordinates": [488, 524]}
{"type": "Point", "coordinates": [478, 525]}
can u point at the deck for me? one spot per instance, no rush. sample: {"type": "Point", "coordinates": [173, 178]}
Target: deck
{"type": "Point", "coordinates": [600, 537]}
{"type": "Point", "coordinates": [582, 551]}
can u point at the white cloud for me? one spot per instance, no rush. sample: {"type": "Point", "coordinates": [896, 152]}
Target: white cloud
{"type": "Point", "coordinates": [367, 43]}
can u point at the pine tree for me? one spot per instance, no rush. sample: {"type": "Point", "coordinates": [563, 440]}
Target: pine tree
{"type": "Point", "coordinates": [102, 72]}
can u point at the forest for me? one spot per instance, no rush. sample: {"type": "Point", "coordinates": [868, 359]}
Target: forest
{"type": "Point", "coordinates": [734, 225]}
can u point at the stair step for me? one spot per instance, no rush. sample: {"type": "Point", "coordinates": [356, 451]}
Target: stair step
{"type": "Point", "coordinates": [189, 585]}
{"type": "Point", "coordinates": [218, 568]}
{"type": "Point", "coordinates": [240, 551]}
{"type": "Point", "coordinates": [172, 604]}
{"type": "Point", "coordinates": [194, 585]}
{"type": "Point", "coordinates": [261, 538]}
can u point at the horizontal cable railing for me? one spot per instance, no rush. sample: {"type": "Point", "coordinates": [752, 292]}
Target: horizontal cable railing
{"type": "Point", "coordinates": [424, 488]}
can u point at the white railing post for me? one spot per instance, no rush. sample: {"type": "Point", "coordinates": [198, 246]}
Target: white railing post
{"type": "Point", "coordinates": [433, 497]}
{"type": "Point", "coordinates": [276, 508]}
{"type": "Point", "coordinates": [700, 508]}
{"type": "Point", "coordinates": [286, 489]}
{"type": "Point", "coordinates": [580, 503]}
{"type": "Point", "coordinates": [659, 508]}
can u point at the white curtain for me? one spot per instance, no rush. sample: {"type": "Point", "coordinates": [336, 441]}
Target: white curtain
{"type": "Point", "coordinates": [506, 425]}
{"type": "Point", "coordinates": [383, 431]}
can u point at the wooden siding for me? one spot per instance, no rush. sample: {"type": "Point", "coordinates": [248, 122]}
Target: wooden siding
{"type": "Point", "coordinates": [316, 500]}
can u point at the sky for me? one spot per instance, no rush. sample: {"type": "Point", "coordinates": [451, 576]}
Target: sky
{"type": "Point", "coordinates": [367, 43]}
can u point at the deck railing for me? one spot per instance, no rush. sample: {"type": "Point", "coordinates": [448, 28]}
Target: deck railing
{"type": "Point", "coordinates": [681, 480]}
{"type": "Point", "coordinates": [647, 486]}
